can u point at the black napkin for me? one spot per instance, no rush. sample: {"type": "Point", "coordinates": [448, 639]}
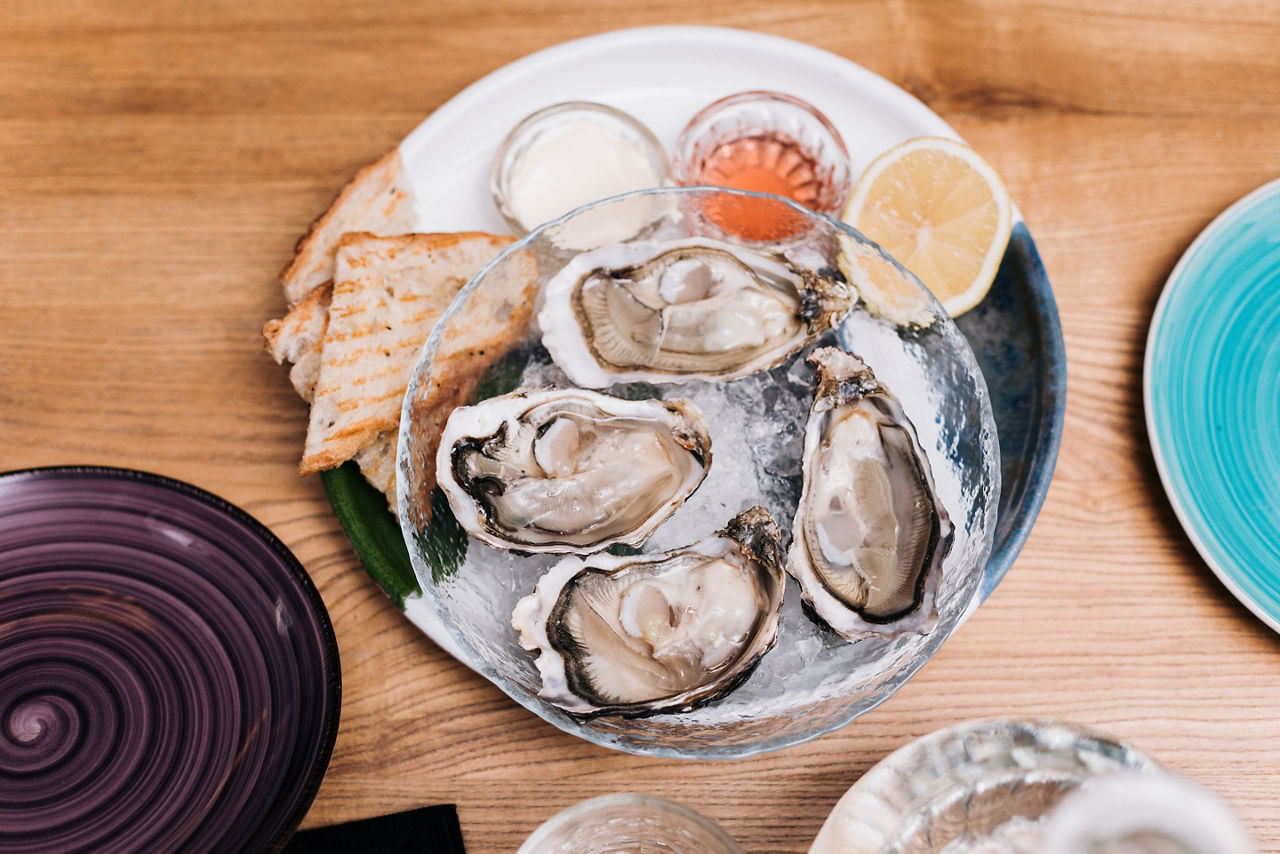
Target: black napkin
{"type": "Point", "coordinates": [433, 830]}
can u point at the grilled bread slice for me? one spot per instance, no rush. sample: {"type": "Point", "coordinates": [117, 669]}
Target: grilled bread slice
{"type": "Point", "coordinates": [377, 200]}
{"type": "Point", "coordinates": [388, 293]}
{"type": "Point", "coordinates": [298, 338]}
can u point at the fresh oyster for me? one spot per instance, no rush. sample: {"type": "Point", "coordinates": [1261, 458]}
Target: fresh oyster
{"type": "Point", "coordinates": [869, 535]}
{"type": "Point", "coordinates": [644, 634]}
{"type": "Point", "coordinates": [681, 310]}
{"type": "Point", "coordinates": [562, 470]}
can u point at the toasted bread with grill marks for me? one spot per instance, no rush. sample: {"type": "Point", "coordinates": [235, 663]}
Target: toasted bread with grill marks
{"type": "Point", "coordinates": [388, 293]}
{"type": "Point", "coordinates": [377, 200]}
{"type": "Point", "coordinates": [298, 338]}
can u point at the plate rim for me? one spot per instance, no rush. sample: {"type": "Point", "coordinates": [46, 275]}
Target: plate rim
{"type": "Point", "coordinates": [1045, 454]}
{"type": "Point", "coordinates": [331, 664]}
{"type": "Point", "coordinates": [1216, 227]}
{"type": "Point", "coordinates": [563, 51]}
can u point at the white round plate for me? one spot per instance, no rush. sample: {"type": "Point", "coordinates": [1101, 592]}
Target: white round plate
{"type": "Point", "coordinates": [663, 76]}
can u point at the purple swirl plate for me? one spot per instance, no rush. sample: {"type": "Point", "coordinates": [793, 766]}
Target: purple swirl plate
{"type": "Point", "coordinates": [169, 677]}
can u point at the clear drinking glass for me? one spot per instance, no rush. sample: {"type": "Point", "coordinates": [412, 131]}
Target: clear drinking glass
{"type": "Point", "coordinates": [630, 823]}
{"type": "Point", "coordinates": [1144, 814]}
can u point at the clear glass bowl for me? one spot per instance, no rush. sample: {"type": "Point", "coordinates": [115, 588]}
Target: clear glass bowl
{"type": "Point", "coordinates": [629, 824]}
{"type": "Point", "coordinates": [812, 681]}
{"type": "Point", "coordinates": [764, 117]}
{"type": "Point", "coordinates": [981, 786]}
{"type": "Point", "coordinates": [524, 138]}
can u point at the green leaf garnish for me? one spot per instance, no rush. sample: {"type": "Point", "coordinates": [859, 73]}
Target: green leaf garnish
{"type": "Point", "coordinates": [372, 530]}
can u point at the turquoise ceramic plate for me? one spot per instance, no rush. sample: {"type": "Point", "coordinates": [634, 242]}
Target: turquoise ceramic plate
{"type": "Point", "coordinates": [1212, 389]}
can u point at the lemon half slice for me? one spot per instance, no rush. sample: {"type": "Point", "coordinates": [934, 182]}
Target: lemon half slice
{"type": "Point", "coordinates": [941, 211]}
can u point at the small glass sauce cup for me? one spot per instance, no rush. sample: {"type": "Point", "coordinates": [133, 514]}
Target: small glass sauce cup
{"type": "Point", "coordinates": [769, 142]}
{"type": "Point", "coordinates": [574, 181]}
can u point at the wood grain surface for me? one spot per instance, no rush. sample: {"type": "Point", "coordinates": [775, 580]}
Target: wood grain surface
{"type": "Point", "coordinates": [158, 160]}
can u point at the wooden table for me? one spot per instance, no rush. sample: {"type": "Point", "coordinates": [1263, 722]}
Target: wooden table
{"type": "Point", "coordinates": [157, 161]}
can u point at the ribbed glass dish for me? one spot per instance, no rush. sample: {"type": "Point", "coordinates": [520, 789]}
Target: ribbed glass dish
{"type": "Point", "coordinates": [812, 681]}
{"type": "Point", "coordinates": [983, 786]}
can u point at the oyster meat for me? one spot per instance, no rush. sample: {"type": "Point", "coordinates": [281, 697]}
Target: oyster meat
{"type": "Point", "coordinates": [869, 536]}
{"type": "Point", "coordinates": [562, 470]}
{"type": "Point", "coordinates": [640, 635]}
{"type": "Point", "coordinates": [681, 310]}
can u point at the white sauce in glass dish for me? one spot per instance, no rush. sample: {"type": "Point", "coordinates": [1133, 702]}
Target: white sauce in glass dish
{"type": "Point", "coordinates": [571, 154]}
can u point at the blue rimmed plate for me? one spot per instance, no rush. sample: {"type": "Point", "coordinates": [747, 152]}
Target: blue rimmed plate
{"type": "Point", "coordinates": [663, 75]}
{"type": "Point", "coordinates": [1212, 393]}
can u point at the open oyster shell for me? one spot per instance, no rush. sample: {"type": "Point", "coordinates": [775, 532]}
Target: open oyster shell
{"type": "Point", "coordinates": [562, 470]}
{"type": "Point", "coordinates": [643, 634]}
{"type": "Point", "coordinates": [869, 535]}
{"type": "Point", "coordinates": [682, 310]}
